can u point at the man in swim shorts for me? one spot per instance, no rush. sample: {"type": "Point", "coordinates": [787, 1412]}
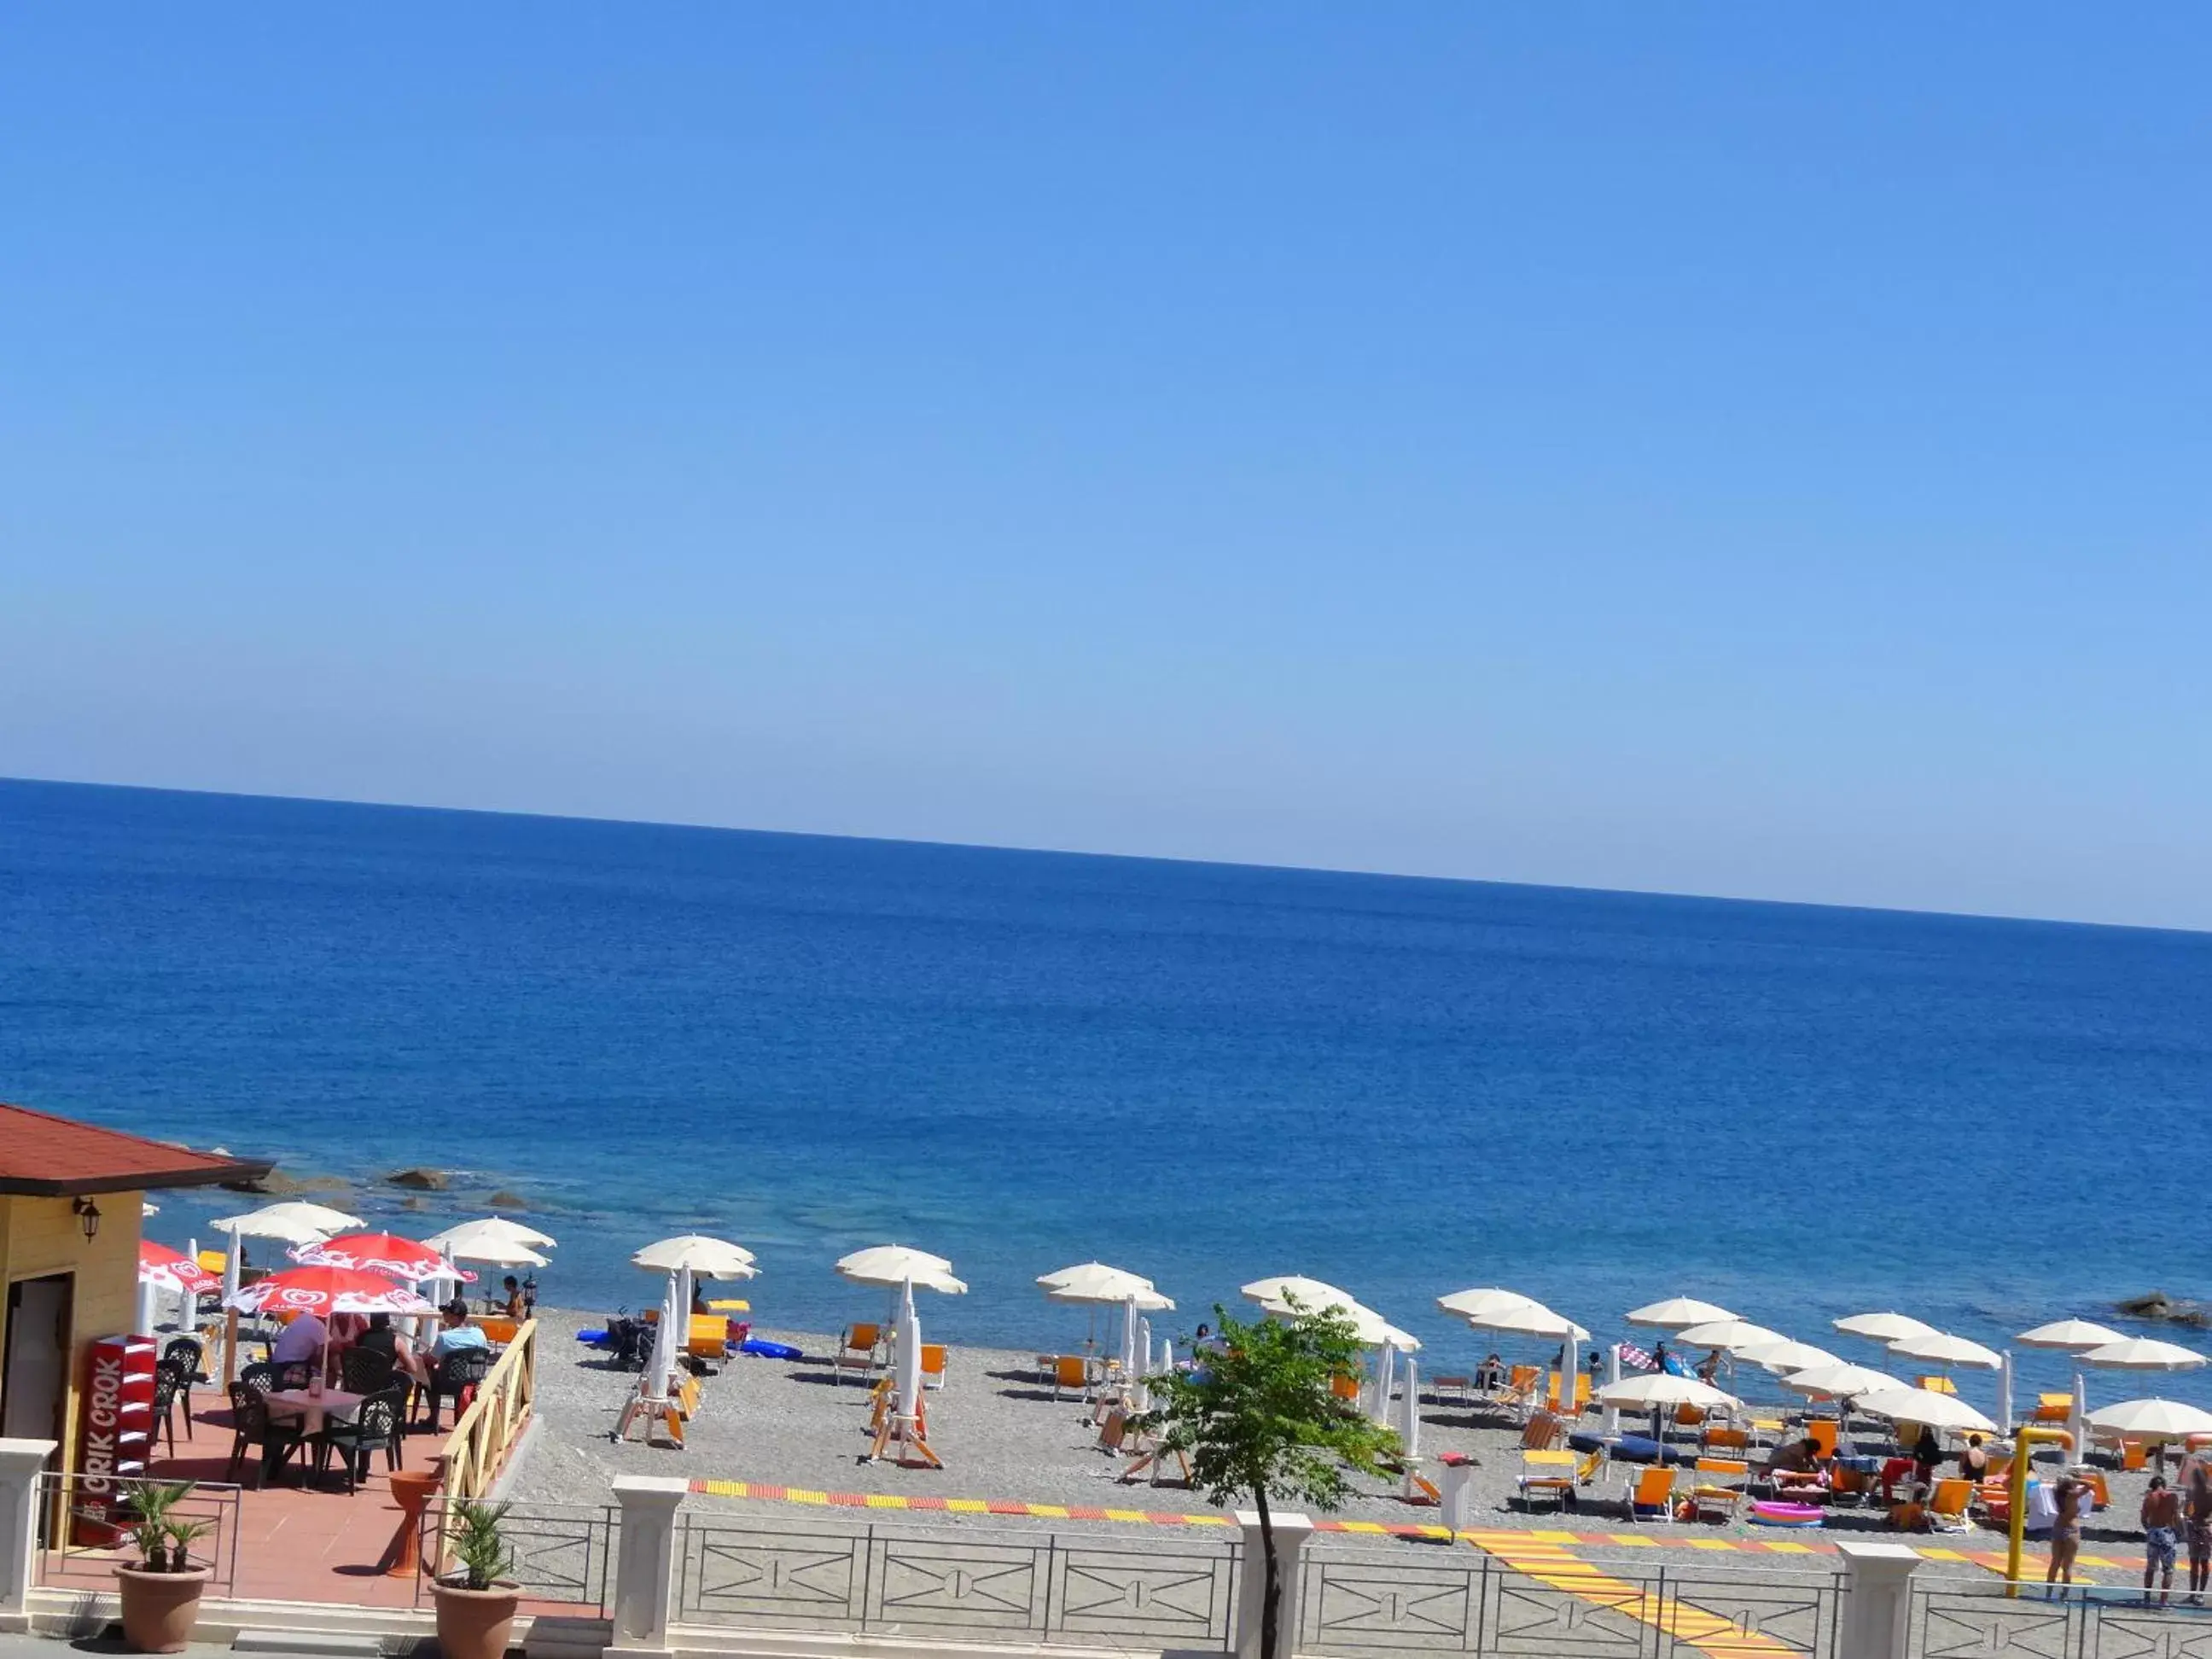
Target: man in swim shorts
{"type": "Point", "coordinates": [2161, 1525]}
{"type": "Point", "coordinates": [2197, 1519]}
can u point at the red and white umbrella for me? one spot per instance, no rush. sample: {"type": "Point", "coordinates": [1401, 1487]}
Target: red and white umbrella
{"type": "Point", "coordinates": [323, 1290]}
{"type": "Point", "coordinates": [382, 1253]}
{"type": "Point", "coordinates": [173, 1271]}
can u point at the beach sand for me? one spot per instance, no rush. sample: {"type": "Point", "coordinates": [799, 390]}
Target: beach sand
{"type": "Point", "coordinates": [1003, 1437]}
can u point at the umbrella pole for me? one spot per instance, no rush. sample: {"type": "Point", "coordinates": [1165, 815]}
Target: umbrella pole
{"type": "Point", "coordinates": [230, 1313]}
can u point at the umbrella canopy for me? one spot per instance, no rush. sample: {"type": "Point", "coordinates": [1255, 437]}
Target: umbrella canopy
{"type": "Point", "coordinates": [1146, 1301]}
{"type": "Point", "coordinates": [1677, 1312]}
{"type": "Point", "coordinates": [695, 1253]}
{"type": "Point", "coordinates": [1533, 1322]}
{"type": "Point", "coordinates": [890, 1265]}
{"type": "Point", "coordinates": [2152, 1419]}
{"type": "Point", "coordinates": [1097, 1283]}
{"type": "Point", "coordinates": [172, 1270]}
{"type": "Point", "coordinates": [494, 1241]}
{"type": "Point", "coordinates": [1664, 1388]}
{"type": "Point", "coordinates": [1925, 1406]}
{"type": "Point", "coordinates": [293, 1221]}
{"type": "Point", "coordinates": [1484, 1302]}
{"type": "Point", "coordinates": [1311, 1293]}
{"type": "Point", "coordinates": [380, 1253]}
{"type": "Point", "coordinates": [1730, 1334]}
{"type": "Point", "coordinates": [1884, 1326]}
{"type": "Point", "coordinates": [1372, 1330]}
{"type": "Point", "coordinates": [325, 1290]}
{"type": "Point", "coordinates": [1841, 1381]}
{"type": "Point", "coordinates": [1944, 1349]}
{"type": "Point", "coordinates": [2076, 1334]}
{"type": "Point", "coordinates": [1784, 1356]}
{"type": "Point", "coordinates": [2141, 1354]}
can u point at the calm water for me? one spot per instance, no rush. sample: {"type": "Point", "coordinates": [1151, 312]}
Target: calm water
{"type": "Point", "coordinates": [1207, 1073]}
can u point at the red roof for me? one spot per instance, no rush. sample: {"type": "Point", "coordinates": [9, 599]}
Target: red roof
{"type": "Point", "coordinates": [47, 1157]}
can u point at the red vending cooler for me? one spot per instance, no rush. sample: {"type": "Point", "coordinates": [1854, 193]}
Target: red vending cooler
{"type": "Point", "coordinates": [114, 1433]}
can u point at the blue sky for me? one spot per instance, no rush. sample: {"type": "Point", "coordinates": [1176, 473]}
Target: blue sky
{"type": "Point", "coordinates": [1723, 449]}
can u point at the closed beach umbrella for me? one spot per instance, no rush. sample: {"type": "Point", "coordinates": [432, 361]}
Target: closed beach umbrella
{"type": "Point", "coordinates": [2152, 1419]}
{"type": "Point", "coordinates": [1733, 1335]}
{"type": "Point", "coordinates": [1944, 1349]}
{"type": "Point", "coordinates": [2139, 1353]}
{"type": "Point", "coordinates": [1884, 1327]}
{"type": "Point", "coordinates": [1925, 1406]}
{"type": "Point", "coordinates": [494, 1241]}
{"type": "Point", "coordinates": [1839, 1382]}
{"type": "Point", "coordinates": [2074, 1336]}
{"type": "Point", "coordinates": [910, 1354]}
{"type": "Point", "coordinates": [1783, 1357]}
{"type": "Point", "coordinates": [1677, 1313]}
{"type": "Point", "coordinates": [380, 1253]}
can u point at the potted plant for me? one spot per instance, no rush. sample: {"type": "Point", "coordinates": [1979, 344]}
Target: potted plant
{"type": "Point", "coordinates": [161, 1594]}
{"type": "Point", "coordinates": [475, 1600]}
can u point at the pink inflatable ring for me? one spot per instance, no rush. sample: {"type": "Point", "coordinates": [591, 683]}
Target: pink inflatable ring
{"type": "Point", "coordinates": [1768, 1513]}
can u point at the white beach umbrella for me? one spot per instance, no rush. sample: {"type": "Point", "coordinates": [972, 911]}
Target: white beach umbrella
{"type": "Point", "coordinates": [1093, 1282]}
{"type": "Point", "coordinates": [1884, 1327]}
{"type": "Point", "coordinates": [293, 1221]}
{"type": "Point", "coordinates": [696, 1253]}
{"type": "Point", "coordinates": [1677, 1312]}
{"type": "Point", "coordinates": [1484, 1301]}
{"type": "Point", "coordinates": [1370, 1328]}
{"type": "Point", "coordinates": [891, 1266]}
{"type": "Point", "coordinates": [1942, 1348]}
{"type": "Point", "coordinates": [1311, 1293]}
{"type": "Point", "coordinates": [1784, 1356]}
{"type": "Point", "coordinates": [494, 1241]}
{"type": "Point", "coordinates": [1146, 1301]}
{"type": "Point", "coordinates": [1659, 1388]}
{"type": "Point", "coordinates": [1926, 1406]}
{"type": "Point", "coordinates": [2140, 1354]}
{"type": "Point", "coordinates": [2074, 1336]}
{"type": "Point", "coordinates": [1733, 1335]}
{"type": "Point", "coordinates": [2152, 1419]}
{"type": "Point", "coordinates": [1534, 1321]}
{"type": "Point", "coordinates": [1840, 1382]}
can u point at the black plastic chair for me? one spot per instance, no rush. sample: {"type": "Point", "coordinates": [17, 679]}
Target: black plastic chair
{"type": "Point", "coordinates": [184, 1354]}
{"type": "Point", "coordinates": [254, 1424]}
{"type": "Point", "coordinates": [260, 1376]}
{"type": "Point", "coordinates": [378, 1423]}
{"type": "Point", "coordinates": [364, 1370]}
{"type": "Point", "coordinates": [463, 1368]}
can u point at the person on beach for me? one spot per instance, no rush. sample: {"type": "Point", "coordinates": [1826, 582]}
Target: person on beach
{"type": "Point", "coordinates": [2197, 1519]}
{"type": "Point", "coordinates": [2161, 1525]}
{"type": "Point", "coordinates": [512, 1306]}
{"type": "Point", "coordinates": [381, 1338]}
{"type": "Point", "coordinates": [1710, 1367]}
{"type": "Point", "coordinates": [1796, 1469]}
{"type": "Point", "coordinates": [2065, 1530]}
{"type": "Point", "coordinates": [1490, 1376]}
{"type": "Point", "coordinates": [1974, 1461]}
{"type": "Point", "coordinates": [1927, 1453]}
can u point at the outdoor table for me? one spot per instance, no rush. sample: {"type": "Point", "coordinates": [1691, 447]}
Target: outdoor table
{"type": "Point", "coordinates": [315, 1409]}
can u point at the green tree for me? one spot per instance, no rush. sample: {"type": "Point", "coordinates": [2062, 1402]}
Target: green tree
{"type": "Point", "coordinates": [1259, 1417]}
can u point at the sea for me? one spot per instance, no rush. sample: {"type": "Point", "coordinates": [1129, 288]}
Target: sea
{"type": "Point", "coordinates": [1205, 1073]}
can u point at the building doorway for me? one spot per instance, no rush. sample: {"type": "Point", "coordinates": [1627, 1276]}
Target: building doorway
{"type": "Point", "coordinates": [34, 1372]}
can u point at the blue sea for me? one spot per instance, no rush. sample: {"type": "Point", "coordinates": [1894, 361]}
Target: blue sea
{"type": "Point", "coordinates": [1206, 1072]}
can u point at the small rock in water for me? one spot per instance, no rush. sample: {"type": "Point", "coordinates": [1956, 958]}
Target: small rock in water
{"type": "Point", "coordinates": [277, 1184]}
{"type": "Point", "coordinates": [427, 1180]}
{"type": "Point", "coordinates": [413, 1201]}
{"type": "Point", "coordinates": [503, 1199]}
{"type": "Point", "coordinates": [2178, 1310]}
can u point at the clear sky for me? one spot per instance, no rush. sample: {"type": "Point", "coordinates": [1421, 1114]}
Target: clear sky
{"type": "Point", "coordinates": [1730, 449]}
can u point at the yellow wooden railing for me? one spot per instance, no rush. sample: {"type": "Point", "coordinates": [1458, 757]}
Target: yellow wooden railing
{"type": "Point", "coordinates": [486, 1432]}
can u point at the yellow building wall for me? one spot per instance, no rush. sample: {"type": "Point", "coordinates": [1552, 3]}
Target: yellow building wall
{"type": "Point", "coordinates": [42, 1236]}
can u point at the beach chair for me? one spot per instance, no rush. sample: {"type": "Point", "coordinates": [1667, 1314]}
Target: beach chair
{"type": "Point", "coordinates": [1112, 1430]}
{"type": "Point", "coordinates": [1071, 1371]}
{"type": "Point", "coordinates": [2053, 1407]}
{"type": "Point", "coordinates": [1345, 1386]}
{"type": "Point", "coordinates": [1519, 1394]}
{"type": "Point", "coordinates": [498, 1331]}
{"type": "Point", "coordinates": [933, 1364]}
{"type": "Point", "coordinates": [2094, 1480]}
{"type": "Point", "coordinates": [1567, 1399]}
{"type": "Point", "coordinates": [857, 1350]}
{"type": "Point", "coordinates": [1548, 1472]}
{"type": "Point", "coordinates": [710, 1338]}
{"type": "Point", "coordinates": [1720, 1488]}
{"type": "Point", "coordinates": [2134, 1455]}
{"type": "Point", "coordinates": [1822, 1431]}
{"type": "Point", "coordinates": [1541, 1433]}
{"type": "Point", "coordinates": [1726, 1441]}
{"type": "Point", "coordinates": [1650, 1494]}
{"type": "Point", "coordinates": [1936, 1384]}
{"type": "Point", "coordinates": [1947, 1504]}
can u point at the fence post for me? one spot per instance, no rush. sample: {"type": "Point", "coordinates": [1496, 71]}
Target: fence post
{"type": "Point", "coordinates": [1877, 1615]}
{"type": "Point", "coordinates": [645, 1562]}
{"type": "Point", "coordinates": [1291, 1531]}
{"type": "Point", "coordinates": [20, 1460]}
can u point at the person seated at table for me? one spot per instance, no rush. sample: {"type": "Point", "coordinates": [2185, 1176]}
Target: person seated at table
{"type": "Point", "coordinates": [454, 1330]}
{"type": "Point", "coordinates": [381, 1338]}
{"type": "Point", "coordinates": [511, 1304]}
{"type": "Point", "coordinates": [1490, 1376]}
{"type": "Point", "coordinates": [301, 1342]}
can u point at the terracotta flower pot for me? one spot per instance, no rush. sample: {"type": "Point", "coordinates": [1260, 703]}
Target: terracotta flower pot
{"type": "Point", "coordinates": [160, 1608]}
{"type": "Point", "coordinates": [475, 1624]}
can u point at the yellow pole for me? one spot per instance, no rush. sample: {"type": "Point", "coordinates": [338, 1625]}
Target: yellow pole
{"type": "Point", "coordinates": [2029, 1435]}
